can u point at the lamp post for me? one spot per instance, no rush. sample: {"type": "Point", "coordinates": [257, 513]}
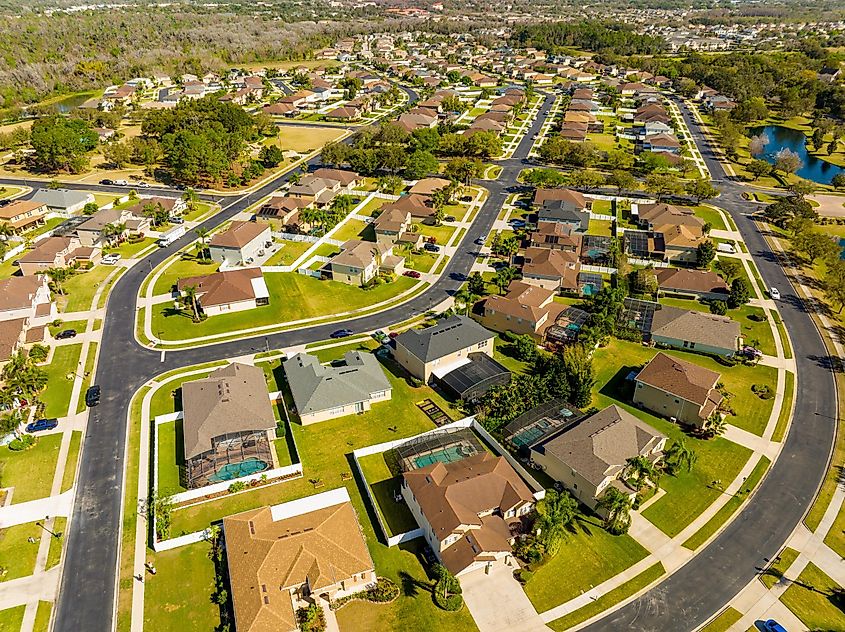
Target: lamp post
{"type": "Point", "coordinates": [52, 533]}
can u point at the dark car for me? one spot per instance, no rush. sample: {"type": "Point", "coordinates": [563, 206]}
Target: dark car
{"type": "Point", "coordinates": [107, 182]}
{"type": "Point", "coordinates": [432, 247]}
{"type": "Point", "coordinates": [42, 424]}
{"type": "Point", "coordinates": [411, 273]}
{"type": "Point", "coordinates": [65, 334]}
{"type": "Point", "coordinates": [341, 333]}
{"type": "Point", "coordinates": [479, 241]}
{"type": "Point", "coordinates": [773, 626]}
{"type": "Point", "coordinates": [92, 396]}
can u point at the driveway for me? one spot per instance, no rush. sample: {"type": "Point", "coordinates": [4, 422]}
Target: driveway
{"type": "Point", "coordinates": [498, 603]}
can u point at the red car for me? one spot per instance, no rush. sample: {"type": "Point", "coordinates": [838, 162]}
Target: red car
{"type": "Point", "coordinates": [412, 273]}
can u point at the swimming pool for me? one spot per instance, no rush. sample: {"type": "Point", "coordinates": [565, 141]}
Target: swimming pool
{"type": "Point", "coordinates": [449, 454]}
{"type": "Point", "coordinates": [237, 470]}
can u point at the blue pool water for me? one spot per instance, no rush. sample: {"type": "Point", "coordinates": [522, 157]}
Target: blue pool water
{"type": "Point", "coordinates": [446, 455]}
{"type": "Point", "coordinates": [237, 470]}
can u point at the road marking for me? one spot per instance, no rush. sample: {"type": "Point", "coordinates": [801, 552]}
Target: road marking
{"type": "Point", "coordinates": [162, 355]}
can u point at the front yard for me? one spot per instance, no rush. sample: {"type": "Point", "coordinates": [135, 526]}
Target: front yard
{"type": "Point", "coordinates": [81, 287]}
{"type": "Point", "coordinates": [61, 373]}
{"type": "Point", "coordinates": [17, 553]}
{"type": "Point", "coordinates": [293, 297]}
{"type": "Point", "coordinates": [815, 599]}
{"type": "Point", "coordinates": [184, 267]}
{"type": "Point", "coordinates": [30, 472]}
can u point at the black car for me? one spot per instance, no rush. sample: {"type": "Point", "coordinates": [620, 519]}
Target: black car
{"type": "Point", "coordinates": [92, 396]}
{"type": "Point", "coordinates": [107, 182]}
{"type": "Point", "coordinates": [432, 247]}
{"type": "Point", "coordinates": [65, 334]}
{"type": "Point", "coordinates": [341, 333]}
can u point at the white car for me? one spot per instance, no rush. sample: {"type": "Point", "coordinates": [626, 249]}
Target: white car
{"type": "Point", "coordinates": [111, 259]}
{"type": "Point", "coordinates": [774, 293]}
{"type": "Point", "coordinates": [121, 183]}
{"type": "Point", "coordinates": [141, 185]}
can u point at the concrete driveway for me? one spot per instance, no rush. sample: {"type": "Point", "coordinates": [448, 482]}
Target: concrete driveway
{"type": "Point", "coordinates": [498, 603]}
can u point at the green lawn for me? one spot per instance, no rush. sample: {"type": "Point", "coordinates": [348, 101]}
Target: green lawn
{"type": "Point", "coordinates": [326, 250]}
{"type": "Point", "coordinates": [7, 269]}
{"type": "Point", "coordinates": [323, 448]}
{"type": "Point", "coordinates": [835, 538]}
{"type": "Point", "coordinates": [72, 460]}
{"type": "Point", "coordinates": [336, 353]}
{"type": "Point", "coordinates": [396, 516]}
{"type": "Point", "coordinates": [17, 554]}
{"type": "Point", "coordinates": [11, 619]}
{"type": "Point", "coordinates": [42, 616]}
{"type": "Point", "coordinates": [354, 229]}
{"type": "Point", "coordinates": [292, 297]}
{"type": "Point", "coordinates": [54, 555]}
{"type": "Point", "coordinates": [775, 572]}
{"type": "Point", "coordinates": [600, 227]}
{"type": "Point", "coordinates": [171, 457]}
{"type": "Point", "coordinates": [371, 207]}
{"type": "Point", "coordinates": [711, 216]}
{"type": "Point", "coordinates": [784, 338]}
{"type": "Point", "coordinates": [56, 396]}
{"type": "Point", "coordinates": [104, 295]}
{"type": "Point", "coordinates": [128, 250]}
{"type": "Point", "coordinates": [88, 374]}
{"type": "Point", "coordinates": [786, 408]}
{"type": "Point", "coordinates": [688, 494]}
{"type": "Point", "coordinates": [724, 621]}
{"type": "Point", "coordinates": [442, 234]}
{"type": "Point", "coordinates": [290, 252]}
{"type": "Point", "coordinates": [421, 261]}
{"type": "Point", "coordinates": [81, 287]}
{"type": "Point", "coordinates": [724, 514]}
{"type": "Point", "coordinates": [609, 599]}
{"type": "Point", "coordinates": [595, 554]}
{"type": "Point", "coordinates": [78, 325]}
{"type": "Point", "coordinates": [178, 596]}
{"type": "Point", "coordinates": [31, 471]}
{"type": "Point", "coordinates": [814, 599]}
{"type": "Point", "coordinates": [185, 266]}
{"type": "Point", "coordinates": [755, 333]}
{"type": "Point", "coordinates": [200, 209]}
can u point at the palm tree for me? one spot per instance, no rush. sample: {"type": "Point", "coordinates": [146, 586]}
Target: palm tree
{"type": "Point", "coordinates": [6, 229]}
{"type": "Point", "coordinates": [715, 425]}
{"type": "Point", "coordinates": [642, 470]}
{"type": "Point", "coordinates": [191, 198]}
{"type": "Point", "coordinates": [57, 278]}
{"type": "Point", "coordinates": [190, 293]}
{"type": "Point", "coordinates": [295, 177]}
{"type": "Point", "coordinates": [617, 507]}
{"type": "Point", "coordinates": [202, 235]}
{"type": "Point", "coordinates": [678, 455]}
{"type": "Point", "coordinates": [465, 298]}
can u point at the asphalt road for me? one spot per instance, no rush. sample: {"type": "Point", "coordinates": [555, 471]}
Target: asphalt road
{"type": "Point", "coordinates": [89, 580]}
{"type": "Point", "coordinates": [709, 581]}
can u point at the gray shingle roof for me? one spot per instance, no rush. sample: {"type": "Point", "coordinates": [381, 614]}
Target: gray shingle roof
{"type": "Point", "coordinates": [316, 387]}
{"type": "Point", "coordinates": [61, 198]}
{"type": "Point", "coordinates": [447, 337]}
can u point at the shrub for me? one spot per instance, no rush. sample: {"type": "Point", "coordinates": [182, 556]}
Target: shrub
{"type": "Point", "coordinates": [763, 391]}
{"type": "Point", "coordinates": [384, 591]}
{"type": "Point", "coordinates": [39, 353]}
{"type": "Point", "coordinates": [237, 486]}
{"type": "Point", "coordinates": [447, 590]}
{"type": "Point", "coordinates": [758, 318]}
{"type": "Point", "coordinates": [719, 307]}
{"type": "Point", "coordinates": [280, 429]}
{"type": "Point", "coordinates": [23, 443]}
{"type": "Point", "coordinates": [311, 619]}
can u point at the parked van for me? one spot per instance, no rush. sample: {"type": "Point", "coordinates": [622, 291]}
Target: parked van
{"type": "Point", "coordinates": [171, 235]}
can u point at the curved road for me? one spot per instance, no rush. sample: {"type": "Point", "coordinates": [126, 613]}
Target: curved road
{"type": "Point", "coordinates": [683, 601]}
{"type": "Point", "coordinates": [711, 579]}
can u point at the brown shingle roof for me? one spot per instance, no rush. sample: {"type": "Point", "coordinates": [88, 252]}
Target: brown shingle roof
{"type": "Point", "coordinates": [18, 292]}
{"type": "Point", "coordinates": [555, 264]}
{"type": "Point", "coordinates": [427, 186]}
{"type": "Point", "coordinates": [522, 301]}
{"type": "Point", "coordinates": [10, 335]}
{"type": "Point", "coordinates": [542, 196]}
{"type": "Point", "coordinates": [683, 379]}
{"type": "Point", "coordinates": [221, 288]}
{"type": "Point", "coordinates": [231, 399]}
{"type": "Point", "coordinates": [268, 558]}
{"type": "Point", "coordinates": [691, 280]}
{"type": "Point", "coordinates": [239, 234]}
{"type": "Point", "coordinates": [699, 327]}
{"type": "Point", "coordinates": [45, 251]}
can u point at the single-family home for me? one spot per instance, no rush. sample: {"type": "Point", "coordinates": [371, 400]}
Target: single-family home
{"type": "Point", "coordinates": [436, 350]}
{"type": "Point", "coordinates": [467, 510]}
{"type": "Point", "coordinates": [563, 212]}
{"type": "Point", "coordinates": [94, 231]}
{"type": "Point", "coordinates": [322, 392]}
{"type": "Point", "coordinates": [703, 284]}
{"type": "Point", "coordinates": [695, 331]}
{"type": "Point", "coordinates": [572, 199]}
{"type": "Point", "coordinates": [283, 208]}
{"type": "Point", "coordinates": [427, 186]}
{"type": "Point", "coordinates": [228, 425]}
{"type": "Point", "coordinates": [22, 214]}
{"type": "Point", "coordinates": [57, 252]}
{"type": "Point", "coordinates": [64, 202]}
{"type": "Point", "coordinates": [556, 236]}
{"type": "Point", "coordinates": [525, 309]}
{"type": "Point", "coordinates": [240, 243]}
{"type": "Point", "coordinates": [285, 557]}
{"type": "Point", "coordinates": [419, 206]}
{"type": "Point", "coordinates": [662, 143]}
{"type": "Point", "coordinates": [590, 455]}
{"type": "Point", "coordinates": [27, 298]}
{"type": "Point", "coordinates": [229, 291]}
{"type": "Point", "coordinates": [678, 389]}
{"type": "Point", "coordinates": [360, 261]}
{"type": "Point", "coordinates": [319, 191]}
{"type": "Point", "coordinates": [555, 270]}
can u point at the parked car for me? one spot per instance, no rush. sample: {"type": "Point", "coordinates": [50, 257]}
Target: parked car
{"type": "Point", "coordinates": [111, 259]}
{"type": "Point", "coordinates": [466, 198]}
{"type": "Point", "coordinates": [479, 241]}
{"type": "Point", "coordinates": [107, 182]}
{"type": "Point", "coordinates": [65, 334]}
{"type": "Point", "coordinates": [92, 396]}
{"type": "Point", "coordinates": [121, 183]}
{"type": "Point", "coordinates": [432, 247]}
{"type": "Point", "coordinates": [141, 185]}
{"type": "Point", "coordinates": [774, 293]}
{"type": "Point", "coordinates": [393, 334]}
{"type": "Point", "coordinates": [341, 333]}
{"type": "Point", "coordinates": [380, 336]}
{"type": "Point", "coordinates": [177, 220]}
{"type": "Point", "coordinates": [411, 273]}
{"type": "Point", "coordinates": [42, 424]}
{"type": "Point", "coordinates": [449, 218]}
{"type": "Point", "coordinates": [773, 626]}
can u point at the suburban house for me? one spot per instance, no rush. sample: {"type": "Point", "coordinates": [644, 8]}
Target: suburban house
{"type": "Point", "coordinates": [573, 200]}
{"type": "Point", "coordinates": [677, 389]}
{"type": "Point", "coordinates": [240, 243]}
{"type": "Point", "coordinates": [230, 291]}
{"type": "Point", "coordinates": [173, 206]}
{"type": "Point", "coordinates": [57, 252]}
{"type": "Point", "coordinates": [394, 226]}
{"type": "Point", "coordinates": [662, 142]}
{"type": "Point", "coordinates": [555, 270]}
{"type": "Point", "coordinates": [228, 425]}
{"type": "Point", "coordinates": [703, 284]}
{"type": "Point", "coordinates": [695, 331]}
{"type": "Point", "coordinates": [283, 208]}
{"type": "Point", "coordinates": [427, 186]}
{"type": "Point", "coordinates": [91, 231]}
{"type": "Point", "coordinates": [562, 212]}
{"type": "Point", "coordinates": [13, 337]}
{"type": "Point", "coordinates": [348, 179]}
{"type": "Point", "coordinates": [419, 206]}
{"type": "Point", "coordinates": [64, 202]}
{"type": "Point", "coordinates": [439, 349]}
{"type": "Point", "coordinates": [660, 215]}
{"type": "Point", "coordinates": [320, 191]}
{"type": "Point", "coordinates": [322, 392]}
{"type": "Point", "coordinates": [525, 309]}
{"type": "Point", "coordinates": [590, 455]}
{"type": "Point", "coordinates": [26, 297]}
{"type": "Point", "coordinates": [288, 556]}
{"type": "Point", "coordinates": [556, 236]}
{"type": "Point", "coordinates": [360, 261]}
{"type": "Point", "coordinates": [22, 214]}
{"type": "Point", "coordinates": [467, 510]}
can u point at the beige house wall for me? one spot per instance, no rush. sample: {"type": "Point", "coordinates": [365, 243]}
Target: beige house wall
{"type": "Point", "coordinates": [666, 404]}
{"type": "Point", "coordinates": [423, 371]}
{"type": "Point", "coordinates": [577, 485]}
{"type": "Point", "coordinates": [341, 411]}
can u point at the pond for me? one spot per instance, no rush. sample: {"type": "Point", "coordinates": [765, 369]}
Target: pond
{"type": "Point", "coordinates": [812, 168]}
{"type": "Point", "coordinates": [65, 104]}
